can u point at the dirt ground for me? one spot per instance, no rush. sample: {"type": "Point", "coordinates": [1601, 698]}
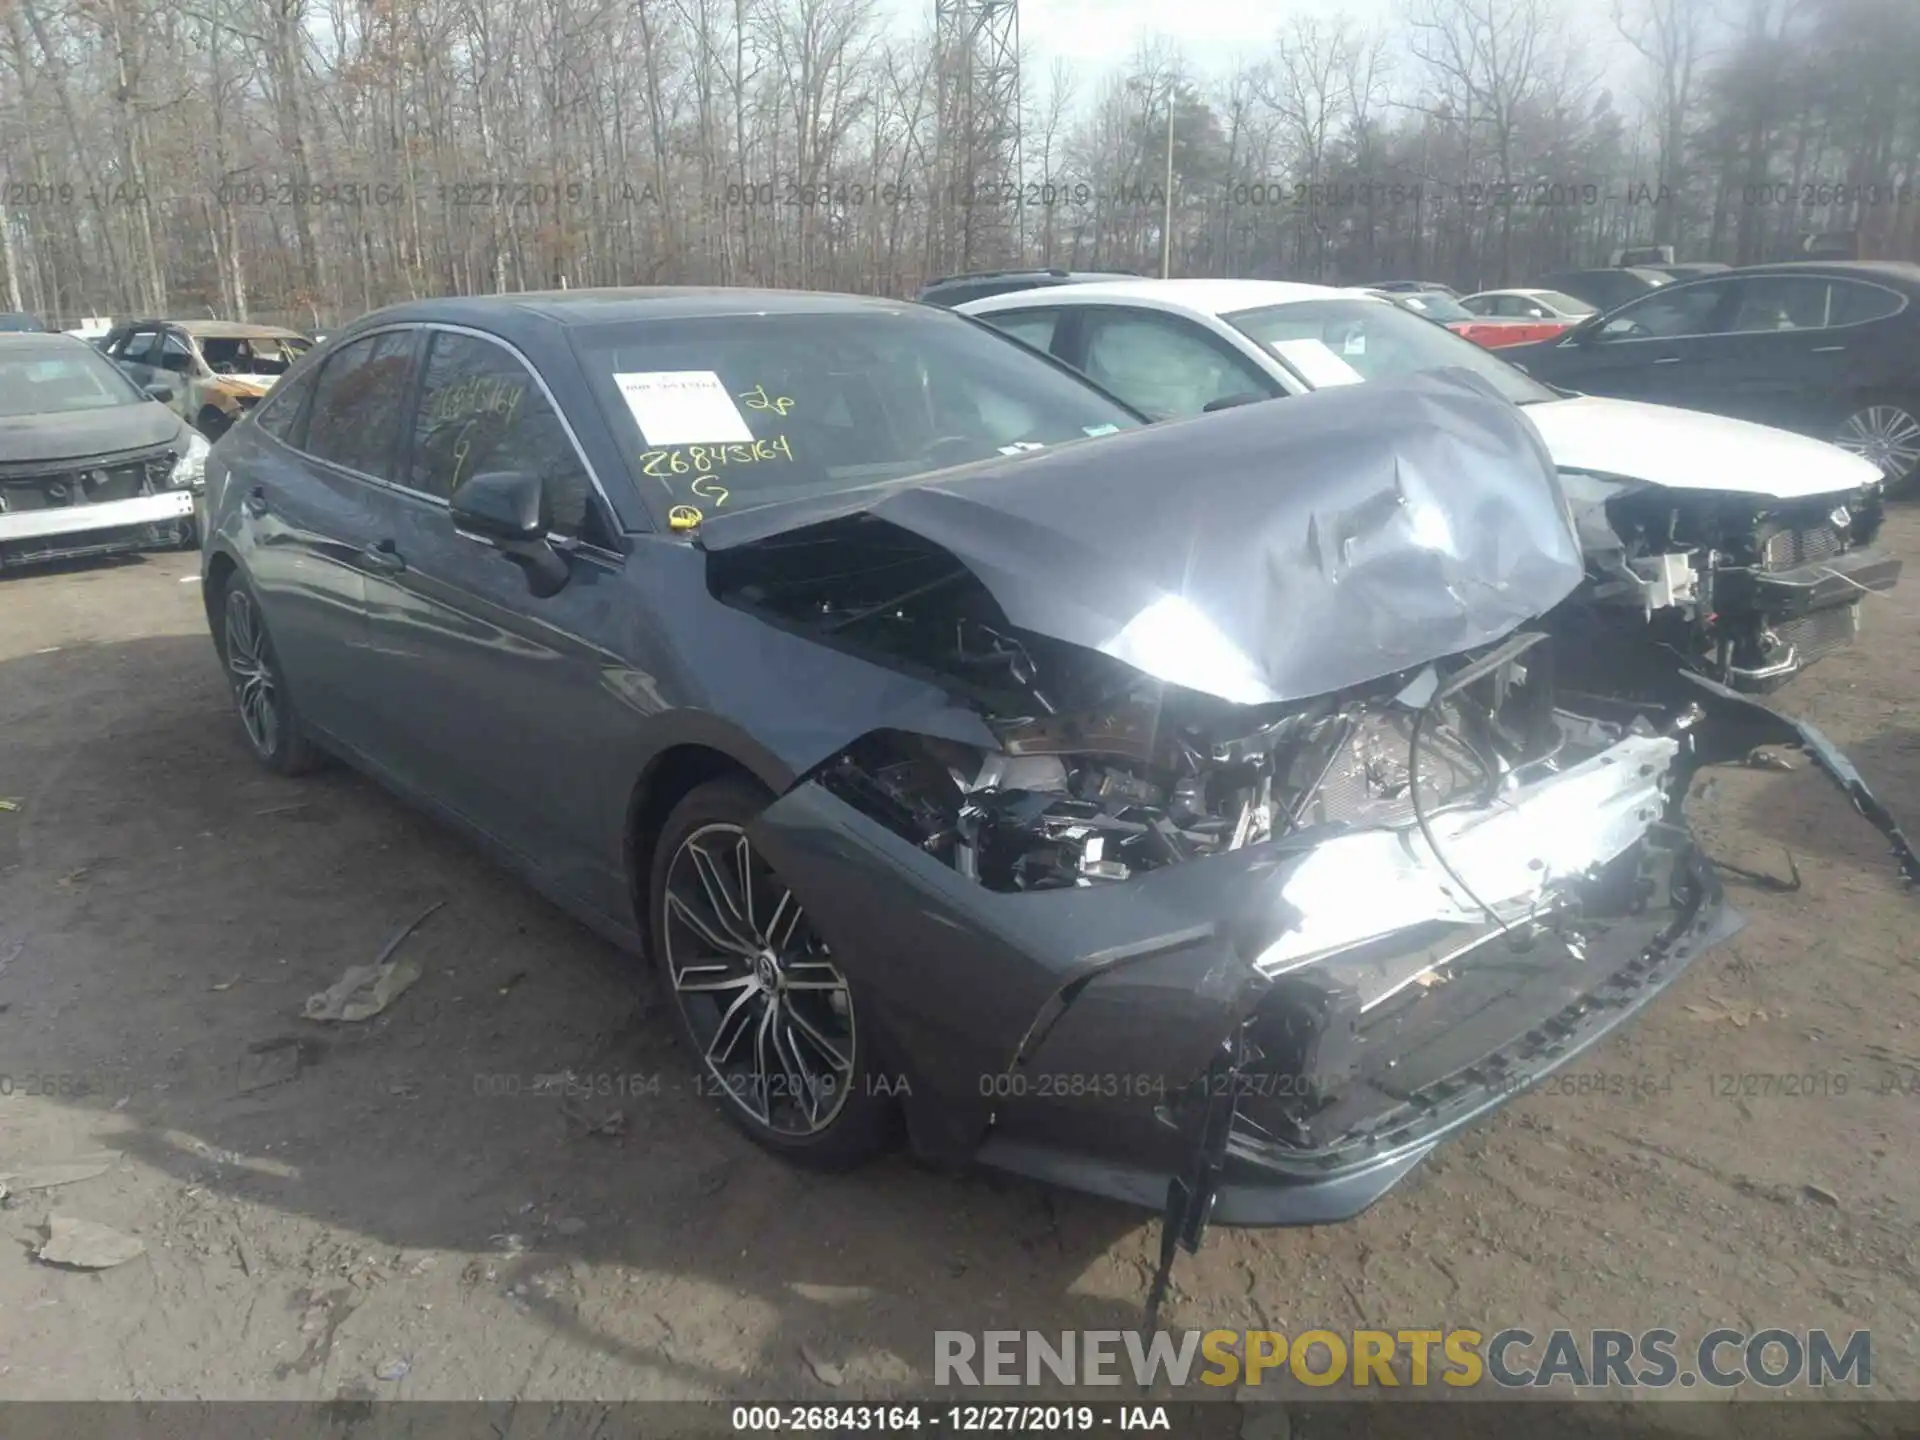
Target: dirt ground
{"type": "Point", "coordinates": [325, 1208]}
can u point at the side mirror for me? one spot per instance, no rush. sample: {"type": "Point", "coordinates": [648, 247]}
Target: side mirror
{"type": "Point", "coordinates": [1227, 402]}
{"type": "Point", "coordinates": [162, 393]}
{"type": "Point", "coordinates": [507, 509]}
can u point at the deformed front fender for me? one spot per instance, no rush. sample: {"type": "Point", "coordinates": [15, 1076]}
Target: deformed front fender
{"type": "Point", "coordinates": [962, 980]}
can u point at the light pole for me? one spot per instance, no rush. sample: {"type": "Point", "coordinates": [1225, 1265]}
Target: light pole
{"type": "Point", "coordinates": [1166, 226]}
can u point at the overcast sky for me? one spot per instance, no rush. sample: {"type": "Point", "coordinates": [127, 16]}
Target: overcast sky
{"type": "Point", "coordinates": [1098, 37]}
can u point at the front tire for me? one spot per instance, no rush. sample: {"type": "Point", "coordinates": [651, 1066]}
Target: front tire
{"type": "Point", "coordinates": [265, 710]}
{"type": "Point", "coordinates": [773, 1026]}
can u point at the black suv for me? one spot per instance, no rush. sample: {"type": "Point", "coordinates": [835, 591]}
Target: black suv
{"type": "Point", "coordinates": [951, 290]}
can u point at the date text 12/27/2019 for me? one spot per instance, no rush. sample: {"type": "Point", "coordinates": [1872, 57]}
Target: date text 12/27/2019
{"type": "Point", "coordinates": [908, 1419]}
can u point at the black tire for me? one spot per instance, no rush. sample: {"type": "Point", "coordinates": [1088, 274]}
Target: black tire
{"type": "Point", "coordinates": [268, 720]}
{"type": "Point", "coordinates": [1886, 430]}
{"type": "Point", "coordinates": [815, 1112]}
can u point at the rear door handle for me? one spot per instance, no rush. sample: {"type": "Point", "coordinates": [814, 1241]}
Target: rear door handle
{"type": "Point", "coordinates": [256, 501]}
{"type": "Point", "coordinates": [1828, 349]}
{"type": "Point", "coordinates": [1666, 360]}
{"type": "Point", "coordinates": [382, 557]}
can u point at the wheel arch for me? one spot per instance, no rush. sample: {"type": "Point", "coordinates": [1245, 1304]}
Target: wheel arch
{"type": "Point", "coordinates": [691, 751]}
{"type": "Point", "coordinates": [221, 567]}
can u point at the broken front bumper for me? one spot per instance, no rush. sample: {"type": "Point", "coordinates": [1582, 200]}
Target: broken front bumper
{"type": "Point", "coordinates": [1074, 1035]}
{"type": "Point", "coordinates": [64, 531]}
{"type": "Point", "coordinates": [1797, 615]}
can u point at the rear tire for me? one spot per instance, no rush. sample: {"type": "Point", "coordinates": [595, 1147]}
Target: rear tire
{"type": "Point", "coordinates": [774, 1029]}
{"type": "Point", "coordinates": [268, 719]}
{"type": "Point", "coordinates": [1886, 430]}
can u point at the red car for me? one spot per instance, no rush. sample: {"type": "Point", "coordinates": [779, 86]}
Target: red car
{"type": "Point", "coordinates": [1483, 330]}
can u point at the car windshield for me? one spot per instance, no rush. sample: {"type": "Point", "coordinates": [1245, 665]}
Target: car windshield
{"type": "Point", "coordinates": [1565, 304]}
{"type": "Point", "coordinates": [739, 410]}
{"type": "Point", "coordinates": [1342, 341]}
{"type": "Point", "coordinates": [57, 379]}
{"type": "Point", "coordinates": [251, 354]}
{"type": "Point", "coordinates": [1435, 306]}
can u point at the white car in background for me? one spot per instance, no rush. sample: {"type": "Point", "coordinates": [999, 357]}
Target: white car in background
{"type": "Point", "coordinates": [1749, 549]}
{"type": "Point", "coordinates": [1527, 305]}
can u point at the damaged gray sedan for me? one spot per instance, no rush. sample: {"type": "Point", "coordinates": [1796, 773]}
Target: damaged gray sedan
{"type": "Point", "coordinates": [1109, 813]}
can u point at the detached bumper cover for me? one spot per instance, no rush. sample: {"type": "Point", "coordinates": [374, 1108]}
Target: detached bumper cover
{"type": "Point", "coordinates": [82, 520]}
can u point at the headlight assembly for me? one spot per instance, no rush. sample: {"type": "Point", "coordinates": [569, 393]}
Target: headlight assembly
{"type": "Point", "coordinates": [190, 470]}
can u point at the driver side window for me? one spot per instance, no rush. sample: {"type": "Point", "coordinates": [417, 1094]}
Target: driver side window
{"type": "Point", "coordinates": [1166, 366]}
{"type": "Point", "coordinates": [175, 354]}
{"type": "Point", "coordinates": [1670, 313]}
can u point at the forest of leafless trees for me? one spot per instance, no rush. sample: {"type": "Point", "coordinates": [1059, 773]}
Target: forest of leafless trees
{"type": "Point", "coordinates": [305, 160]}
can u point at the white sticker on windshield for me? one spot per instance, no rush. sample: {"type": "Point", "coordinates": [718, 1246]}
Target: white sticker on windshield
{"type": "Point", "coordinates": [1107, 429]}
{"type": "Point", "coordinates": [682, 407]}
{"type": "Point", "coordinates": [1020, 447]}
{"type": "Point", "coordinates": [1317, 364]}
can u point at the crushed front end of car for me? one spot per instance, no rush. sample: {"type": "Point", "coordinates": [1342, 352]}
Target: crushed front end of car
{"type": "Point", "coordinates": [1750, 588]}
{"type": "Point", "coordinates": [1298, 830]}
{"type": "Point", "coordinates": [106, 504]}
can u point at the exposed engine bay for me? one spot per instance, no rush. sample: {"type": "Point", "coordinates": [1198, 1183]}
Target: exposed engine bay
{"type": "Point", "coordinates": [1742, 588]}
{"type": "Point", "coordinates": [1103, 773]}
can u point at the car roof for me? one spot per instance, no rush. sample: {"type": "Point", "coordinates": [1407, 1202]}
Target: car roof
{"type": "Point", "coordinates": [1033, 273]}
{"type": "Point", "coordinates": [1206, 297]}
{"type": "Point", "coordinates": [1881, 270]}
{"type": "Point", "coordinates": [533, 310]}
{"type": "Point", "coordinates": [39, 339]}
{"type": "Point", "coordinates": [217, 329]}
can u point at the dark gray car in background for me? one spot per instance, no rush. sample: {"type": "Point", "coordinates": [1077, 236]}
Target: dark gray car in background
{"type": "Point", "coordinates": [90, 464]}
{"type": "Point", "coordinates": [1207, 814]}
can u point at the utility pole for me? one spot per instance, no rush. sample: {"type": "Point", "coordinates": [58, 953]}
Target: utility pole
{"type": "Point", "coordinates": [1166, 224]}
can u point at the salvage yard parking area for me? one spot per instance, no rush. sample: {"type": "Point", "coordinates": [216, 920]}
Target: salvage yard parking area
{"type": "Point", "coordinates": [506, 1184]}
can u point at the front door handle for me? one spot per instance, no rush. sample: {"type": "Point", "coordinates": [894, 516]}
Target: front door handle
{"type": "Point", "coordinates": [1666, 360]}
{"type": "Point", "coordinates": [383, 558]}
{"type": "Point", "coordinates": [1828, 349]}
{"type": "Point", "coordinates": [256, 502]}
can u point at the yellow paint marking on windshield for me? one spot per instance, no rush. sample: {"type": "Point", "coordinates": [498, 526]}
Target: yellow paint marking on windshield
{"type": "Point", "coordinates": [713, 490]}
{"type": "Point", "coordinates": [706, 459]}
{"type": "Point", "coordinates": [758, 399]}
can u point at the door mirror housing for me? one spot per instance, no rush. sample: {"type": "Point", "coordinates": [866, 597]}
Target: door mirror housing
{"type": "Point", "coordinates": [162, 393]}
{"type": "Point", "coordinates": [507, 509]}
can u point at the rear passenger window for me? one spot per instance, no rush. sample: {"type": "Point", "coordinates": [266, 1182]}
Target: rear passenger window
{"type": "Point", "coordinates": [1029, 327]}
{"type": "Point", "coordinates": [1855, 304]}
{"type": "Point", "coordinates": [357, 403]}
{"type": "Point", "coordinates": [1780, 302]}
{"type": "Point", "coordinates": [480, 410]}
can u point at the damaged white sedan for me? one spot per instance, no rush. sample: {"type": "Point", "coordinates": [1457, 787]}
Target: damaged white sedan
{"type": "Point", "coordinates": [1746, 550]}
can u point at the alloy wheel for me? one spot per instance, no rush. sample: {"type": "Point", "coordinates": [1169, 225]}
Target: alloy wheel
{"type": "Point", "coordinates": [250, 668]}
{"type": "Point", "coordinates": [1888, 435]}
{"type": "Point", "coordinates": [769, 1011]}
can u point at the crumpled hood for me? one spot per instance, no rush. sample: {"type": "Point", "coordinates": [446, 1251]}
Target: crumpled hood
{"type": "Point", "coordinates": [1691, 450]}
{"type": "Point", "coordinates": [1262, 554]}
